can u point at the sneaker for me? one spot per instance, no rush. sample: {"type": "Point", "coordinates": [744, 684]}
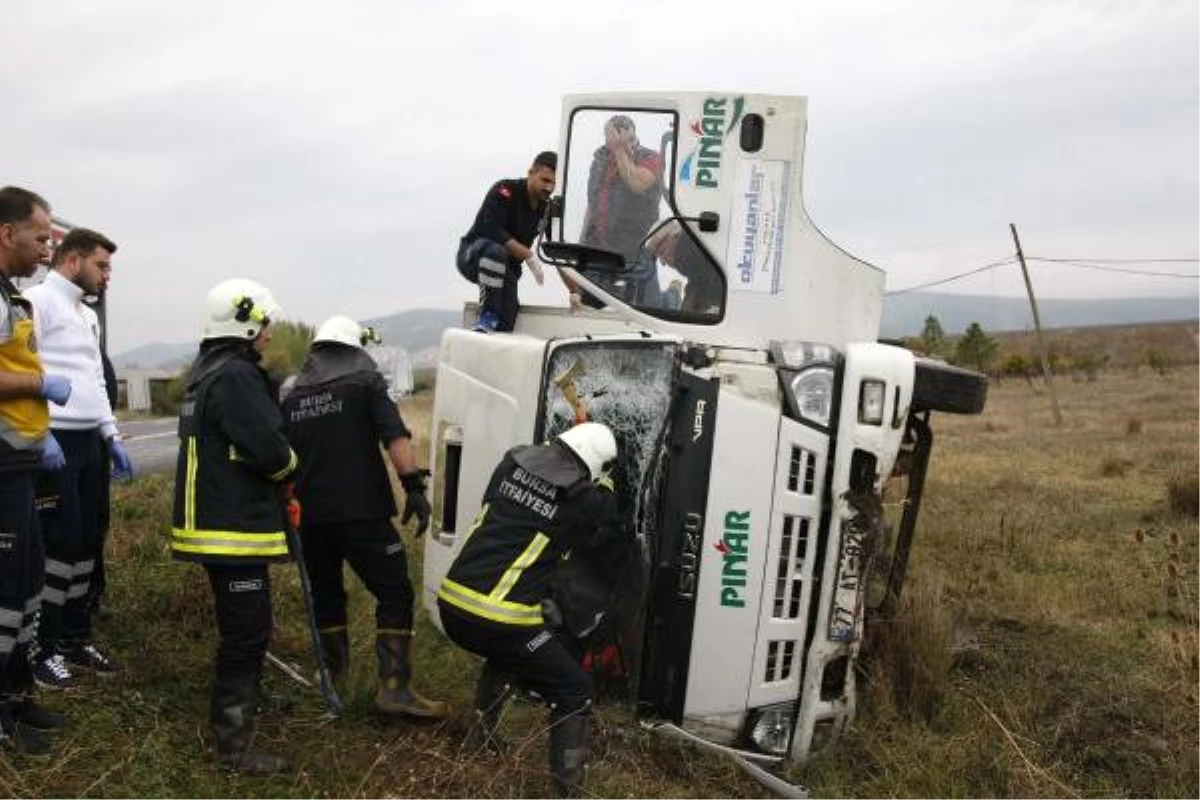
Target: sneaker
{"type": "Point", "coordinates": [488, 321]}
{"type": "Point", "coordinates": [23, 738]}
{"type": "Point", "coordinates": [52, 673]}
{"type": "Point", "coordinates": [37, 716]}
{"type": "Point", "coordinates": [87, 657]}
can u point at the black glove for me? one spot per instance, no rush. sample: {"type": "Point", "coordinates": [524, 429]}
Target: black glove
{"type": "Point", "coordinates": [416, 504]}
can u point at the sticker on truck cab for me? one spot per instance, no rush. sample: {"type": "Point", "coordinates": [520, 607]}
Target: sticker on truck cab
{"type": "Point", "coordinates": [735, 553]}
{"type": "Point", "coordinates": [719, 118]}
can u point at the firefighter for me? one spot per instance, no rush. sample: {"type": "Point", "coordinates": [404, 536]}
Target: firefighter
{"type": "Point", "coordinates": [233, 459]}
{"type": "Point", "coordinates": [337, 414]}
{"type": "Point", "coordinates": [542, 500]}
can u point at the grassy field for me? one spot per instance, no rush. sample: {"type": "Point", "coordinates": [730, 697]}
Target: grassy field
{"type": "Point", "coordinates": [1046, 645]}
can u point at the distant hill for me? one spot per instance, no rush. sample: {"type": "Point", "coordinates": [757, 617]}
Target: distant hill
{"type": "Point", "coordinates": [418, 331]}
{"type": "Point", "coordinates": [156, 355]}
{"type": "Point", "coordinates": [904, 314]}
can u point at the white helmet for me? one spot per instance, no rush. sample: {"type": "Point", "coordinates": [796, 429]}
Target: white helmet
{"type": "Point", "coordinates": [594, 443]}
{"type": "Point", "coordinates": [238, 308]}
{"type": "Point", "coordinates": [344, 330]}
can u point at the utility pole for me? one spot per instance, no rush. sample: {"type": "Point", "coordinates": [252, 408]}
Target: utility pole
{"type": "Point", "coordinates": [1037, 326]}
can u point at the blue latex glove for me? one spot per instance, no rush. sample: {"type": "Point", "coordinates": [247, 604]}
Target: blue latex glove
{"type": "Point", "coordinates": [56, 389]}
{"type": "Point", "coordinates": [52, 454]}
{"type": "Point", "coordinates": [122, 466]}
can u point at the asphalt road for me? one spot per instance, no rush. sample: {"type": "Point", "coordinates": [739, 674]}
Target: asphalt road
{"type": "Point", "coordinates": [152, 444]}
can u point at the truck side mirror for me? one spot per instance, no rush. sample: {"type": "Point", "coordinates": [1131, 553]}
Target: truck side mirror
{"type": "Point", "coordinates": [582, 256]}
{"type": "Point", "coordinates": [556, 207]}
{"type": "Point", "coordinates": [709, 221]}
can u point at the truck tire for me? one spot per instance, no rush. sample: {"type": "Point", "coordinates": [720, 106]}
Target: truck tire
{"type": "Point", "coordinates": [939, 386]}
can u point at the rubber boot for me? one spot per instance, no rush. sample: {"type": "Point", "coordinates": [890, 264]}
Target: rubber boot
{"type": "Point", "coordinates": [492, 693]}
{"type": "Point", "coordinates": [569, 735]}
{"type": "Point", "coordinates": [232, 719]}
{"type": "Point", "coordinates": [396, 694]}
{"type": "Point", "coordinates": [335, 649]}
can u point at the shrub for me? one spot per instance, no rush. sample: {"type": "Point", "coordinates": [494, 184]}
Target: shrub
{"type": "Point", "coordinates": [1183, 495]}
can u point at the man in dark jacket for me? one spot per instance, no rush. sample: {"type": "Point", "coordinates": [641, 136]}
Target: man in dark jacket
{"type": "Point", "coordinates": [492, 252]}
{"type": "Point", "coordinates": [338, 413]}
{"type": "Point", "coordinates": [542, 501]}
{"type": "Point", "coordinates": [624, 188]}
{"type": "Point", "coordinates": [25, 231]}
{"type": "Point", "coordinates": [228, 516]}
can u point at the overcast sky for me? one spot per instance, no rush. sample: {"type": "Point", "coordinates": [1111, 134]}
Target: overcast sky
{"type": "Point", "coordinates": [337, 151]}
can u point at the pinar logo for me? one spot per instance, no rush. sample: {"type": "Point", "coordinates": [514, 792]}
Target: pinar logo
{"type": "Point", "coordinates": [734, 548]}
{"type": "Point", "coordinates": [702, 166]}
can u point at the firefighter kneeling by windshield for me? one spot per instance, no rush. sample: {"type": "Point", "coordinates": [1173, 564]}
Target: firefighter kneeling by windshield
{"type": "Point", "coordinates": [542, 501]}
{"type": "Point", "coordinates": [338, 413]}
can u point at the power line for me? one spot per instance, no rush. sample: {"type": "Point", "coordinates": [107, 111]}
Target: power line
{"type": "Point", "coordinates": [1119, 260]}
{"type": "Point", "coordinates": [1084, 265]}
{"type": "Point", "coordinates": [959, 276]}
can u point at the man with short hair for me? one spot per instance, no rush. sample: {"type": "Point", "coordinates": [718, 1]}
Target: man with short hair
{"type": "Point", "coordinates": [24, 419]}
{"type": "Point", "coordinates": [493, 251]}
{"type": "Point", "coordinates": [624, 186]}
{"type": "Point", "coordinates": [82, 432]}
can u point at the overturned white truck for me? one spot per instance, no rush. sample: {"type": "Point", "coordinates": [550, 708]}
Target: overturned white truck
{"type": "Point", "coordinates": [759, 418]}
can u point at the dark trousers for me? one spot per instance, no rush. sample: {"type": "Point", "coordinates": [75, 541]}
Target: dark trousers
{"type": "Point", "coordinates": [22, 566]}
{"type": "Point", "coordinates": [103, 516]}
{"type": "Point", "coordinates": [536, 658]}
{"type": "Point", "coordinates": [68, 504]}
{"type": "Point", "coordinates": [376, 554]}
{"type": "Point", "coordinates": [485, 263]}
{"type": "Point", "coordinates": [242, 600]}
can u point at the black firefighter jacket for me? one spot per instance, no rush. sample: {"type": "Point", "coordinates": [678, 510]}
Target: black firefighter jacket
{"type": "Point", "coordinates": [232, 457]}
{"type": "Point", "coordinates": [539, 505]}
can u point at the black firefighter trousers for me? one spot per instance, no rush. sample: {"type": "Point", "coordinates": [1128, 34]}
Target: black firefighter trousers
{"type": "Point", "coordinates": [376, 554]}
{"type": "Point", "coordinates": [536, 658]}
{"type": "Point", "coordinates": [242, 600]}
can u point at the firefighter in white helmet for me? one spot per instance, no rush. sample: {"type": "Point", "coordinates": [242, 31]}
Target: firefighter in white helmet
{"type": "Point", "coordinates": [233, 456]}
{"type": "Point", "coordinates": [338, 413]}
{"type": "Point", "coordinates": [542, 501]}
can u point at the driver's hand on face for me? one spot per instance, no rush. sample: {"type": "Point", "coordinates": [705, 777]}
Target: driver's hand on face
{"type": "Point", "coordinates": [612, 137]}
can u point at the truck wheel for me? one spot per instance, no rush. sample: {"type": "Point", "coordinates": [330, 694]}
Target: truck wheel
{"type": "Point", "coordinates": [942, 387]}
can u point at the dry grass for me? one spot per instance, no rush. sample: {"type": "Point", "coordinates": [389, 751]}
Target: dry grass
{"type": "Point", "coordinates": [1046, 645]}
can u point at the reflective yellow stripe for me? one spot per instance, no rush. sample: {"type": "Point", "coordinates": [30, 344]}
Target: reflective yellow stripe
{"type": "Point", "coordinates": [478, 521]}
{"type": "Point", "coordinates": [233, 536]}
{"type": "Point", "coordinates": [189, 490]}
{"type": "Point", "coordinates": [217, 550]}
{"type": "Point", "coordinates": [291, 465]}
{"type": "Point", "coordinates": [484, 606]}
{"type": "Point", "coordinates": [229, 543]}
{"type": "Point", "coordinates": [513, 574]}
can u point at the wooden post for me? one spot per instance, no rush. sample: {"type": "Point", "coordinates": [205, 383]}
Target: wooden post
{"type": "Point", "coordinates": [1037, 326]}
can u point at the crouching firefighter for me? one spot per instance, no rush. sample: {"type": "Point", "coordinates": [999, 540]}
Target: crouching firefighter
{"type": "Point", "coordinates": [227, 514]}
{"type": "Point", "coordinates": [337, 414]}
{"type": "Point", "coordinates": [542, 501]}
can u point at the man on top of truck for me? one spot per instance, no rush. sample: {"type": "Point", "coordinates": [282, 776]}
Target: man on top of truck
{"type": "Point", "coordinates": [492, 252]}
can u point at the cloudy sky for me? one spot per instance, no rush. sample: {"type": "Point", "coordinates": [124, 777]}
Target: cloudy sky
{"type": "Point", "coordinates": [336, 151]}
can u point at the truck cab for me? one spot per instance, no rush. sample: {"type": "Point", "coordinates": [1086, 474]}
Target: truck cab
{"type": "Point", "coordinates": [733, 350]}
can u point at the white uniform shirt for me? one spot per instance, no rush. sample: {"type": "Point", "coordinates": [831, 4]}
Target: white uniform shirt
{"type": "Point", "coordinates": [68, 336]}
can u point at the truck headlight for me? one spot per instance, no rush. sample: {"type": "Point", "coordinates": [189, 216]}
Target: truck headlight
{"type": "Point", "coordinates": [771, 729]}
{"type": "Point", "coordinates": [812, 390]}
{"type": "Point", "coordinates": [807, 371]}
{"type": "Point", "coordinates": [870, 402]}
